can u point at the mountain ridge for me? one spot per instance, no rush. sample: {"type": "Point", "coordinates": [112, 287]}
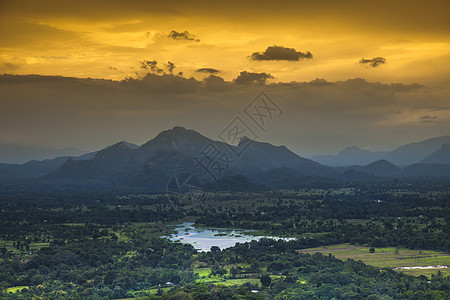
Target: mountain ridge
{"type": "Point", "coordinates": [404, 155]}
{"type": "Point", "coordinates": [440, 156]}
{"type": "Point", "coordinates": [184, 151]}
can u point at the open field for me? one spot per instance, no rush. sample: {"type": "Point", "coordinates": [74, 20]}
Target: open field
{"type": "Point", "coordinates": [15, 289]}
{"type": "Point", "coordinates": [388, 257]}
{"type": "Point", "coordinates": [205, 276]}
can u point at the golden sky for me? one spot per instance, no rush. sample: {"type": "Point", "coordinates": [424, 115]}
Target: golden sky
{"type": "Point", "coordinates": [107, 39]}
{"type": "Point", "coordinates": [399, 49]}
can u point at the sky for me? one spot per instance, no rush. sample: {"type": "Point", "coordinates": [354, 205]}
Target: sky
{"type": "Point", "coordinates": [86, 74]}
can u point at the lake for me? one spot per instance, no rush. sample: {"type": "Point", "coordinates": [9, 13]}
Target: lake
{"type": "Point", "coordinates": [203, 238]}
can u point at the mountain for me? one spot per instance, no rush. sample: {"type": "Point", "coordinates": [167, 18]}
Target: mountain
{"type": "Point", "coordinates": [123, 162]}
{"type": "Point", "coordinates": [109, 164]}
{"type": "Point", "coordinates": [402, 156]}
{"type": "Point", "coordinates": [182, 153]}
{"type": "Point", "coordinates": [379, 168]}
{"type": "Point", "coordinates": [38, 168]}
{"type": "Point", "coordinates": [440, 156]}
{"type": "Point", "coordinates": [178, 139]}
{"type": "Point", "coordinates": [260, 156]}
{"type": "Point", "coordinates": [415, 152]}
{"type": "Point", "coordinates": [19, 154]}
{"type": "Point", "coordinates": [350, 156]}
{"type": "Point", "coordinates": [35, 168]}
{"type": "Point", "coordinates": [179, 150]}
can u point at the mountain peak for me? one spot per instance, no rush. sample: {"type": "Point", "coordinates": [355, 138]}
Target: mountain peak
{"type": "Point", "coordinates": [179, 128]}
{"type": "Point", "coordinates": [178, 138]}
{"type": "Point", "coordinates": [175, 132]}
{"type": "Point", "coordinates": [354, 147]}
{"type": "Point", "coordinates": [121, 145]}
{"type": "Point", "coordinates": [113, 151]}
{"type": "Point", "coordinates": [352, 150]}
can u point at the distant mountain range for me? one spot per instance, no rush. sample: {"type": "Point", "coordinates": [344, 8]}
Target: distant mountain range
{"type": "Point", "coordinates": [19, 154]}
{"type": "Point", "coordinates": [38, 168]}
{"type": "Point", "coordinates": [440, 156]}
{"type": "Point", "coordinates": [178, 151]}
{"type": "Point", "coordinates": [402, 156]}
{"type": "Point", "coordinates": [182, 153]}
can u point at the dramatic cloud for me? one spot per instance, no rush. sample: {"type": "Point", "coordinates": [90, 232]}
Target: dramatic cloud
{"type": "Point", "coordinates": [320, 116]}
{"type": "Point", "coordinates": [373, 62]}
{"type": "Point", "coordinates": [252, 78]}
{"type": "Point", "coordinates": [281, 53]}
{"type": "Point", "coordinates": [185, 35]}
{"type": "Point", "coordinates": [101, 33]}
{"type": "Point", "coordinates": [208, 70]}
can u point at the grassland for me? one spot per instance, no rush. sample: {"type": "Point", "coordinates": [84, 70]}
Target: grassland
{"type": "Point", "coordinates": [389, 257]}
{"type": "Point", "coordinates": [15, 289]}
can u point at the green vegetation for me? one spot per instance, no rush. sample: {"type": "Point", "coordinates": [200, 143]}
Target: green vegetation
{"type": "Point", "coordinates": [108, 246]}
{"type": "Point", "coordinates": [15, 289]}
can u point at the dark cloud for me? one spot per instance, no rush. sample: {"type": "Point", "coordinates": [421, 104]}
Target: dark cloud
{"type": "Point", "coordinates": [170, 66]}
{"type": "Point", "coordinates": [151, 65]}
{"type": "Point", "coordinates": [164, 84]}
{"type": "Point", "coordinates": [216, 83]}
{"type": "Point", "coordinates": [427, 119]}
{"type": "Point", "coordinates": [281, 53]}
{"type": "Point", "coordinates": [252, 78]}
{"type": "Point", "coordinates": [319, 116]}
{"type": "Point", "coordinates": [208, 70]}
{"type": "Point", "coordinates": [112, 68]}
{"type": "Point", "coordinates": [185, 35]}
{"type": "Point", "coordinates": [373, 62]}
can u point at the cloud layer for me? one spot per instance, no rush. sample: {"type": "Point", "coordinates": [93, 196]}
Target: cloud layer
{"type": "Point", "coordinates": [320, 116]}
{"type": "Point", "coordinates": [281, 53]}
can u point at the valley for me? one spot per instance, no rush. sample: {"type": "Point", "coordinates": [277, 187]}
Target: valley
{"type": "Point", "coordinates": [107, 245]}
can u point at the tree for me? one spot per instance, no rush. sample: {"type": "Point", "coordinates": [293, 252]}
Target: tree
{"type": "Point", "coordinates": [215, 249]}
{"type": "Point", "coordinates": [110, 276]}
{"type": "Point", "coordinates": [372, 250]}
{"type": "Point", "coordinates": [265, 280]}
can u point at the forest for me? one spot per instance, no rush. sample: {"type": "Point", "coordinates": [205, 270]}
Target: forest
{"type": "Point", "coordinates": [109, 245]}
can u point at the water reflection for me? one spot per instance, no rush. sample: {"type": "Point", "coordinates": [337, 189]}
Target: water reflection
{"type": "Point", "coordinates": [203, 238]}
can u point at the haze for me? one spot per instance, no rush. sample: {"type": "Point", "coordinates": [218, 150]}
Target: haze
{"type": "Point", "coordinates": [383, 71]}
